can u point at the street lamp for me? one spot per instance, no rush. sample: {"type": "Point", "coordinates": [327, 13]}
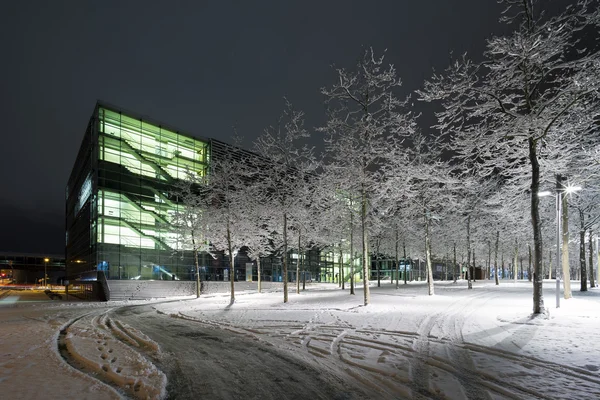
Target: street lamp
{"type": "Point", "coordinates": [560, 189]}
{"type": "Point", "coordinates": [597, 261]}
{"type": "Point", "coordinates": [46, 272]}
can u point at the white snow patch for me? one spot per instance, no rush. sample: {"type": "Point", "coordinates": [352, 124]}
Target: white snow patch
{"type": "Point", "coordinates": [460, 342]}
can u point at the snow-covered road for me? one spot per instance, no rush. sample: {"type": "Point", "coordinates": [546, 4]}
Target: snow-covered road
{"type": "Point", "coordinates": [476, 344]}
{"type": "Point", "coordinates": [458, 344]}
{"type": "Point", "coordinates": [207, 362]}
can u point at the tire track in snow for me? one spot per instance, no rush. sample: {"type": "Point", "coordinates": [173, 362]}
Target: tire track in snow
{"type": "Point", "coordinates": [379, 358]}
{"type": "Point", "coordinates": [421, 364]}
{"type": "Point", "coordinates": [260, 371]}
{"type": "Point", "coordinates": [103, 348]}
{"type": "Point", "coordinates": [465, 369]}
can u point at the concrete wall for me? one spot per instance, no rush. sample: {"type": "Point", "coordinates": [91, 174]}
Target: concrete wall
{"type": "Point", "coordinates": [141, 290]}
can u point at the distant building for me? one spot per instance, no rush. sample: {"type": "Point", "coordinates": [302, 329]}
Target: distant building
{"type": "Point", "coordinates": [28, 269]}
{"type": "Point", "coordinates": [119, 203]}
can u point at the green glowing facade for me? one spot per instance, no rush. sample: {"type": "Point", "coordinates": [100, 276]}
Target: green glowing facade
{"type": "Point", "coordinates": [118, 198]}
{"type": "Point", "coordinates": [119, 207]}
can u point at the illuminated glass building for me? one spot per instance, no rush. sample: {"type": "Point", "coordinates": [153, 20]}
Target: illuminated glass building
{"type": "Point", "coordinates": [118, 205]}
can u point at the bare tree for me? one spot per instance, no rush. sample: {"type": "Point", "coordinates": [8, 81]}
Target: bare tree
{"type": "Point", "coordinates": [188, 221]}
{"type": "Point", "coordinates": [588, 210]}
{"type": "Point", "coordinates": [504, 114]}
{"type": "Point", "coordinates": [435, 188]}
{"type": "Point", "coordinates": [259, 239]}
{"type": "Point", "coordinates": [226, 216]}
{"type": "Point", "coordinates": [336, 210]}
{"type": "Point", "coordinates": [288, 171]}
{"type": "Point", "coordinates": [363, 113]}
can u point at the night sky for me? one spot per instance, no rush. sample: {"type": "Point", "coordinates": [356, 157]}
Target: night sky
{"type": "Point", "coordinates": [202, 67]}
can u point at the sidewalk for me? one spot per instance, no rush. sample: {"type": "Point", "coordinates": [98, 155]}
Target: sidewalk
{"type": "Point", "coordinates": [30, 366]}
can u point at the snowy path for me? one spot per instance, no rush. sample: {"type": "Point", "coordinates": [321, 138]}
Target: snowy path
{"type": "Point", "coordinates": [109, 350]}
{"type": "Point", "coordinates": [405, 345]}
{"type": "Point", "coordinates": [205, 363]}
{"type": "Point", "coordinates": [323, 344]}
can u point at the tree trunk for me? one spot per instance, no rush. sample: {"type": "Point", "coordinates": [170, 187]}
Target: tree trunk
{"type": "Point", "coordinates": [521, 275]}
{"type": "Point", "coordinates": [351, 251]}
{"type": "Point", "coordinates": [446, 266]}
{"type": "Point", "coordinates": [428, 258]}
{"type": "Point", "coordinates": [538, 296]}
{"type": "Point", "coordinates": [597, 259]}
{"type": "Point", "coordinates": [516, 262]}
{"type": "Point", "coordinates": [565, 248]}
{"type": "Point", "coordinates": [341, 269]}
{"type": "Point", "coordinates": [591, 250]}
{"type": "Point", "coordinates": [258, 272]}
{"type": "Point", "coordinates": [303, 272]}
{"type": "Point", "coordinates": [198, 283]}
{"type": "Point", "coordinates": [469, 284]}
{"type": "Point", "coordinates": [583, 278]}
{"type": "Point", "coordinates": [474, 266]}
{"type": "Point", "coordinates": [496, 257]}
{"type": "Point", "coordinates": [404, 255]}
{"type": "Point", "coordinates": [529, 264]}
{"type": "Point", "coordinates": [489, 264]}
{"type": "Point", "coordinates": [397, 261]}
{"type": "Point", "coordinates": [284, 256]}
{"type": "Point", "coordinates": [378, 263]}
{"type": "Point", "coordinates": [454, 273]}
{"type": "Point", "coordinates": [298, 263]}
{"type": "Point", "coordinates": [365, 247]}
{"type": "Point", "coordinates": [231, 266]}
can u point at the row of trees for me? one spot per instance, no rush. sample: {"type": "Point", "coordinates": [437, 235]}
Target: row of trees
{"type": "Point", "coordinates": [507, 126]}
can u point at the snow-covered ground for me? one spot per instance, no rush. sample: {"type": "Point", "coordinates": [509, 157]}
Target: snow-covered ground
{"type": "Point", "coordinates": [460, 343]}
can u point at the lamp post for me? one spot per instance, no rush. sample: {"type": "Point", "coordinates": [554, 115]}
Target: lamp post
{"type": "Point", "coordinates": [558, 237]}
{"type": "Point", "coordinates": [560, 189]}
{"type": "Point", "coordinates": [597, 262]}
{"type": "Point", "coordinates": [46, 272]}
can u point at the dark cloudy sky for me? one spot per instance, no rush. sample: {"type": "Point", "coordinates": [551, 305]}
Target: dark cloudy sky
{"type": "Point", "coordinates": [197, 65]}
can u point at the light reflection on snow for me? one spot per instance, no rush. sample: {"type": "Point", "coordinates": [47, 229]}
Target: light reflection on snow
{"type": "Point", "coordinates": [9, 300]}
